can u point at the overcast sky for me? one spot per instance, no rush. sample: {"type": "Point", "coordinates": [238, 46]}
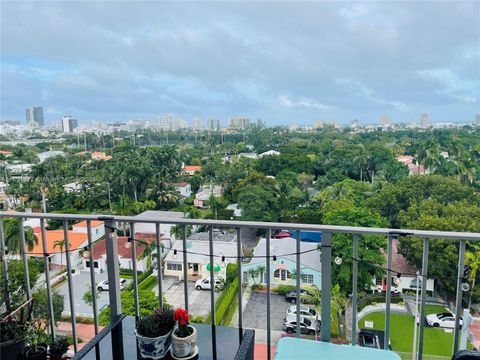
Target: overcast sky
{"type": "Point", "coordinates": [282, 62]}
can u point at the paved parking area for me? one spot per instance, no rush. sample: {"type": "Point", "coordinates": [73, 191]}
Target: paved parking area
{"type": "Point", "coordinates": [81, 283]}
{"type": "Point", "coordinates": [255, 313]}
{"type": "Point", "coordinates": [198, 300]}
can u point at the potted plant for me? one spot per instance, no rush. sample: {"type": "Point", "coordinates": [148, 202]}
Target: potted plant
{"type": "Point", "coordinates": [184, 337]}
{"type": "Point", "coordinates": [13, 331]}
{"type": "Point", "coordinates": [153, 333]}
{"type": "Point", "coordinates": [37, 339]}
{"type": "Point", "coordinates": [58, 348]}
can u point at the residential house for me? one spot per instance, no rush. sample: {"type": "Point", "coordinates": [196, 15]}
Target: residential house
{"type": "Point", "coordinates": [97, 226]}
{"type": "Point", "coordinates": [413, 167]}
{"type": "Point", "coordinates": [224, 244]}
{"type": "Point", "coordinates": [191, 169]}
{"type": "Point", "coordinates": [72, 187]}
{"type": "Point", "coordinates": [184, 188]}
{"type": "Point", "coordinates": [49, 154]}
{"type": "Point", "coordinates": [407, 279]}
{"type": "Point", "coordinates": [284, 269]}
{"type": "Point", "coordinates": [148, 231]}
{"type": "Point", "coordinates": [18, 169]}
{"type": "Point", "coordinates": [97, 155]}
{"type": "Point", "coordinates": [99, 254]}
{"type": "Point", "coordinates": [269, 153]}
{"type": "Point", "coordinates": [236, 210]}
{"type": "Point", "coordinates": [204, 193]}
{"type": "Point", "coordinates": [57, 256]}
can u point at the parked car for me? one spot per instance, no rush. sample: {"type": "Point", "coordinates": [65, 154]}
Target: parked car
{"type": "Point", "coordinates": [103, 285]}
{"type": "Point", "coordinates": [292, 296]}
{"type": "Point", "coordinates": [445, 320]}
{"type": "Point", "coordinates": [204, 284]}
{"type": "Point", "coordinates": [305, 312]}
{"type": "Point", "coordinates": [371, 338]}
{"type": "Point", "coordinates": [306, 326]}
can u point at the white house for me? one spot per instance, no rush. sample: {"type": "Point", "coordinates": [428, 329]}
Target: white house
{"type": "Point", "coordinates": [72, 187]}
{"type": "Point", "coordinates": [184, 188]}
{"type": "Point", "coordinates": [204, 194]}
{"type": "Point", "coordinates": [191, 169]}
{"type": "Point", "coordinates": [18, 169]}
{"type": "Point", "coordinates": [199, 264]}
{"type": "Point", "coordinates": [407, 279]}
{"type": "Point", "coordinates": [49, 154]}
{"type": "Point", "coordinates": [284, 268]}
{"type": "Point", "coordinates": [98, 229]}
{"type": "Point", "coordinates": [148, 230]}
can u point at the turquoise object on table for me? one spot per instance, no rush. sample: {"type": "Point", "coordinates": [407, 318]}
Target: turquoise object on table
{"type": "Point", "coordinates": [298, 349]}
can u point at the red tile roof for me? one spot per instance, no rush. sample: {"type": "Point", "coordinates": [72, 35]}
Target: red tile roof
{"type": "Point", "coordinates": [94, 223]}
{"type": "Point", "coordinates": [100, 248]}
{"type": "Point", "coordinates": [192, 168]}
{"type": "Point", "coordinates": [399, 262]}
{"type": "Point", "coordinates": [74, 239]}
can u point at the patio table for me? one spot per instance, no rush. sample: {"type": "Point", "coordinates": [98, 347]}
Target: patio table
{"type": "Point", "coordinates": [289, 348]}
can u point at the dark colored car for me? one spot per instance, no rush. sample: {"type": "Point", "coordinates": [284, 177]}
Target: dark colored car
{"type": "Point", "coordinates": [292, 296]}
{"type": "Point", "coordinates": [371, 338]}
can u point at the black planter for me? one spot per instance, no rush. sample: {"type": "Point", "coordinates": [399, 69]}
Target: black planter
{"type": "Point", "coordinates": [39, 354]}
{"type": "Point", "coordinates": [11, 349]}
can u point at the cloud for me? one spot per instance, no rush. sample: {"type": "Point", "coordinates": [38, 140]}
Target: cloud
{"type": "Point", "coordinates": [452, 85]}
{"type": "Point", "coordinates": [286, 101]}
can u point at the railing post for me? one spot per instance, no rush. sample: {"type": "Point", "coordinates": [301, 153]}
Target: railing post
{"type": "Point", "coordinates": [26, 274]}
{"type": "Point", "coordinates": [6, 293]}
{"type": "Point", "coordinates": [388, 299]}
{"type": "Point", "coordinates": [159, 265]}
{"type": "Point", "coordinates": [71, 294]}
{"type": "Point", "coordinates": [134, 265]}
{"type": "Point", "coordinates": [111, 239]}
{"type": "Point", "coordinates": [92, 274]}
{"type": "Point", "coordinates": [239, 277]}
{"type": "Point", "coordinates": [297, 287]}
{"type": "Point", "coordinates": [458, 302]}
{"type": "Point", "coordinates": [326, 263]}
{"type": "Point", "coordinates": [424, 294]}
{"type": "Point", "coordinates": [212, 292]}
{"type": "Point", "coordinates": [268, 271]}
{"type": "Point", "coordinates": [185, 266]}
{"type": "Point", "coordinates": [47, 277]}
{"type": "Point", "coordinates": [354, 288]}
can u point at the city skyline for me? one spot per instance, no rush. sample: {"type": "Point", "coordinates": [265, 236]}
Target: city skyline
{"type": "Point", "coordinates": [290, 63]}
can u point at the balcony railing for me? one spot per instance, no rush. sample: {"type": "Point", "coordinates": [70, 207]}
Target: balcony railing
{"type": "Point", "coordinates": [111, 224]}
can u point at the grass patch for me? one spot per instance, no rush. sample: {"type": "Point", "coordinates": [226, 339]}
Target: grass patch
{"type": "Point", "coordinates": [437, 342]}
{"type": "Point", "coordinates": [227, 320]}
{"type": "Point", "coordinates": [148, 284]}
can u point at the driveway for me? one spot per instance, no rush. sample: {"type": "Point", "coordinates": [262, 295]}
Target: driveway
{"type": "Point", "coordinates": [81, 283]}
{"type": "Point", "coordinates": [198, 300]}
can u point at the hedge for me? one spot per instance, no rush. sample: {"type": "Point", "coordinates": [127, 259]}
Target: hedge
{"type": "Point", "coordinates": [148, 284]}
{"type": "Point", "coordinates": [284, 289]}
{"type": "Point", "coordinates": [223, 302]}
{"type": "Point", "coordinates": [377, 299]}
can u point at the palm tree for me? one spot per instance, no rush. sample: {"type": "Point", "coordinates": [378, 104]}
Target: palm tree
{"type": "Point", "coordinates": [472, 259]}
{"type": "Point", "coordinates": [60, 244]}
{"type": "Point", "coordinates": [260, 271]}
{"type": "Point", "coordinates": [253, 273]}
{"type": "Point", "coordinates": [11, 229]}
{"type": "Point", "coordinates": [361, 160]}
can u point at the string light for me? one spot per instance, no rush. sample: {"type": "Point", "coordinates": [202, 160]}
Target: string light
{"type": "Point", "coordinates": [338, 260]}
{"type": "Point", "coordinates": [274, 260]}
{"type": "Point", "coordinates": [465, 286]}
{"type": "Point", "coordinates": [174, 256]}
{"type": "Point", "coordinates": [222, 263]}
{"type": "Point", "coordinates": [86, 253]}
{"type": "Point", "coordinates": [128, 243]}
{"type": "Point", "coordinates": [113, 235]}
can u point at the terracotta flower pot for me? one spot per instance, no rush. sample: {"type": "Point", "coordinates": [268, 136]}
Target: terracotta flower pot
{"type": "Point", "coordinates": [183, 347]}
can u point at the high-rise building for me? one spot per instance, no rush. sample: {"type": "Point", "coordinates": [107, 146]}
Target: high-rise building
{"type": "Point", "coordinates": [34, 116]}
{"type": "Point", "coordinates": [424, 121]}
{"type": "Point", "coordinates": [238, 123]}
{"type": "Point", "coordinates": [197, 123]}
{"type": "Point", "coordinates": [68, 124]}
{"type": "Point", "coordinates": [213, 124]}
{"type": "Point", "coordinates": [385, 121]}
{"type": "Point", "coordinates": [171, 122]}
{"type": "Point", "coordinates": [477, 120]}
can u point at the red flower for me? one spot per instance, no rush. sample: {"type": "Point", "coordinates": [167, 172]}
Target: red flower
{"type": "Point", "coordinates": [181, 316]}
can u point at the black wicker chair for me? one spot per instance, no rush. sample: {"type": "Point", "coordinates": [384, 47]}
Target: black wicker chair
{"type": "Point", "coordinates": [466, 355]}
{"type": "Point", "coordinates": [246, 349]}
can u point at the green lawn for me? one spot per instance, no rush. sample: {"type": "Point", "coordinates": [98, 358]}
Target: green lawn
{"type": "Point", "coordinates": [436, 341]}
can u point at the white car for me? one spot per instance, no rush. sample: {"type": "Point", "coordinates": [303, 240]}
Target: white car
{"type": "Point", "coordinates": [306, 326]}
{"type": "Point", "coordinates": [305, 312]}
{"type": "Point", "coordinates": [103, 285]}
{"type": "Point", "coordinates": [445, 320]}
{"type": "Point", "coordinates": [204, 284]}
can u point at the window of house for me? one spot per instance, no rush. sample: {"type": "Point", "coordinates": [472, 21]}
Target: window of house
{"type": "Point", "coordinates": [87, 263]}
{"type": "Point", "coordinates": [97, 231]}
{"type": "Point", "coordinates": [276, 273]}
{"type": "Point", "coordinates": [174, 267]}
{"type": "Point", "coordinates": [190, 266]}
{"type": "Point", "coordinates": [307, 278]}
{"type": "Point", "coordinates": [379, 281]}
{"type": "Point", "coordinates": [95, 264]}
{"type": "Point", "coordinates": [285, 274]}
